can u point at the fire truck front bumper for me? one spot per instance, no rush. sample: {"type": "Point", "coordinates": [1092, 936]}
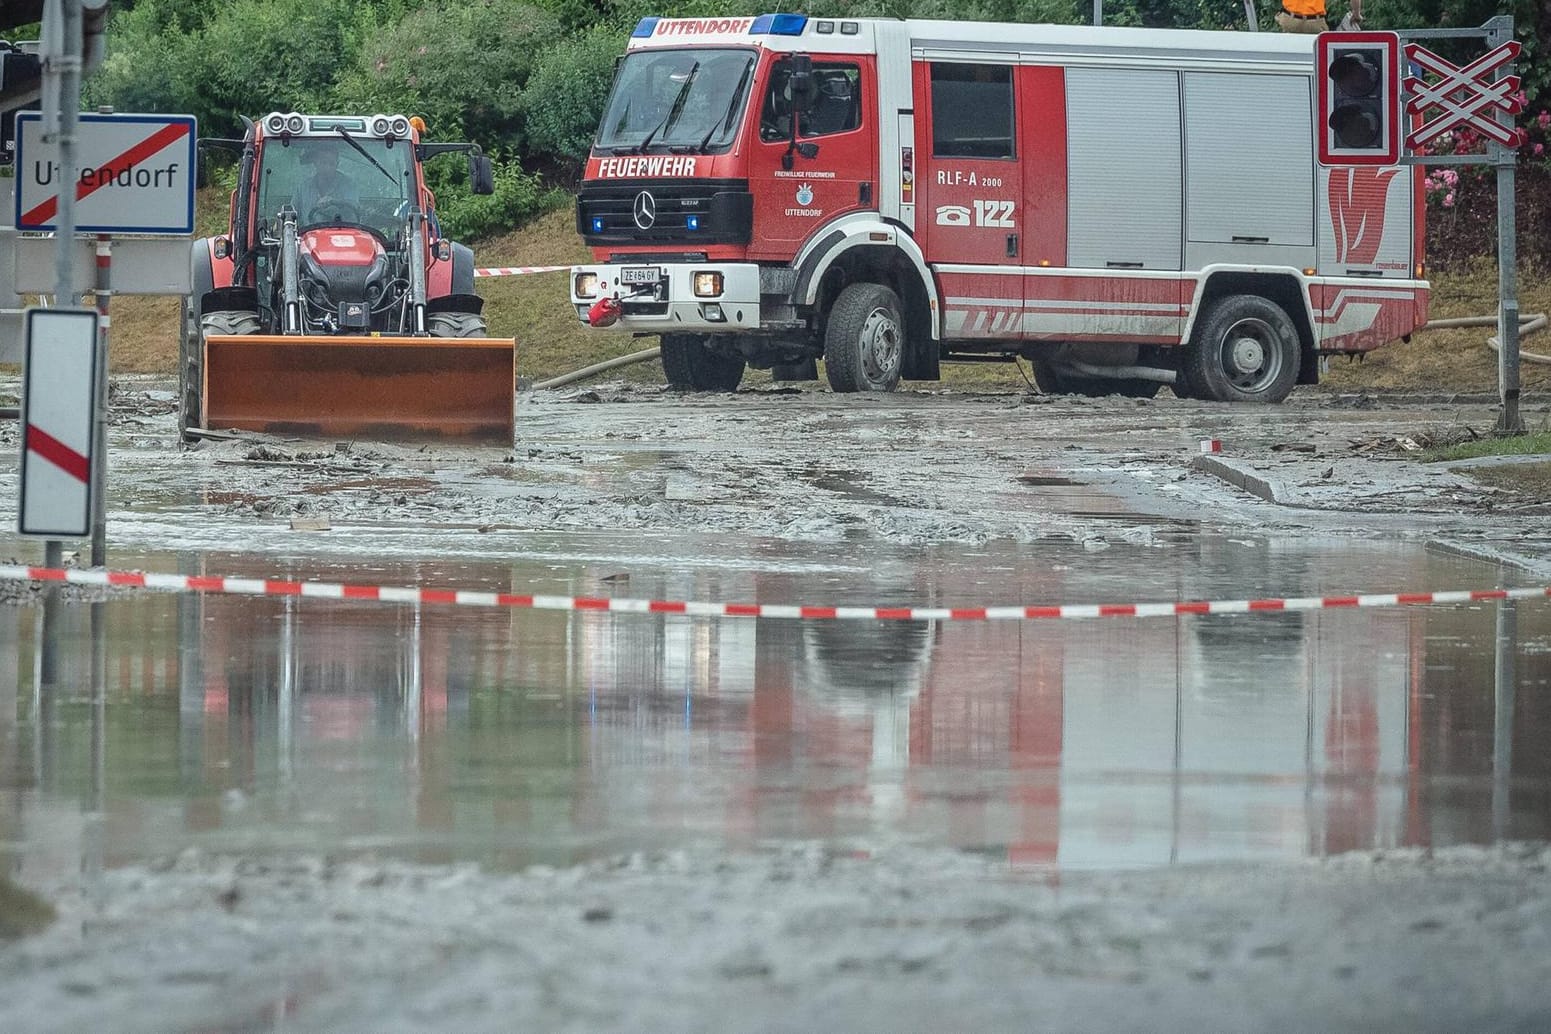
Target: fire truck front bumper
{"type": "Point", "coordinates": [667, 297]}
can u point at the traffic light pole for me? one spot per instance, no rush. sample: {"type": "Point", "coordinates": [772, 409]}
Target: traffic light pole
{"type": "Point", "coordinates": [1495, 32]}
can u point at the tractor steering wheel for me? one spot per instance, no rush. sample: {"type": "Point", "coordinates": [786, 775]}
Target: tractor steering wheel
{"type": "Point", "coordinates": [329, 210]}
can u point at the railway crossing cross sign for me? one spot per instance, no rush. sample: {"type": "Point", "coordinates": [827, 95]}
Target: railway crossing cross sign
{"type": "Point", "coordinates": [1483, 96]}
{"type": "Point", "coordinates": [1465, 96]}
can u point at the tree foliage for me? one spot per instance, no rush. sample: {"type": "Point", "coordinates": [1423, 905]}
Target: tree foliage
{"type": "Point", "coordinates": [527, 79]}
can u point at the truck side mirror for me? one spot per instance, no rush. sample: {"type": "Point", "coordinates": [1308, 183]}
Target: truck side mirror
{"type": "Point", "coordinates": [481, 175]}
{"type": "Point", "coordinates": [803, 86]}
{"type": "Point", "coordinates": [803, 89]}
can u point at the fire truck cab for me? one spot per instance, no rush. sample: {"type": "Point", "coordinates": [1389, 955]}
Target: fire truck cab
{"type": "Point", "coordinates": [1125, 208]}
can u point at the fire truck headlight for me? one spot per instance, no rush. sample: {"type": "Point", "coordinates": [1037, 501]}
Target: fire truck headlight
{"type": "Point", "coordinates": [708, 285]}
{"type": "Point", "coordinates": [586, 285]}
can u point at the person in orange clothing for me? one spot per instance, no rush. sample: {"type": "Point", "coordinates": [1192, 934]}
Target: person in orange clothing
{"type": "Point", "coordinates": [1309, 16]}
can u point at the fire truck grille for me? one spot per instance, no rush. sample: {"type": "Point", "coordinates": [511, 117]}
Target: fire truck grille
{"type": "Point", "coordinates": [679, 212]}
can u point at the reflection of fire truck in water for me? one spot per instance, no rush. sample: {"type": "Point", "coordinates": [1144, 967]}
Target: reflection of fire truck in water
{"type": "Point", "coordinates": [1123, 207]}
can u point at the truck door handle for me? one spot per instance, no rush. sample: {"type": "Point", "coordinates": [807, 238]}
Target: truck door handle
{"type": "Point", "coordinates": [1012, 245]}
{"type": "Point", "coordinates": [1240, 239]}
{"type": "Point", "coordinates": [864, 194]}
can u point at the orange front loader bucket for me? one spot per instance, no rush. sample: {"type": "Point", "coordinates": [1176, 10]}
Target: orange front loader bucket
{"type": "Point", "coordinates": [375, 387]}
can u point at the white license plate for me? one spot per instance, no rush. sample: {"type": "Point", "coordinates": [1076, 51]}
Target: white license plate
{"type": "Point", "coordinates": [640, 275]}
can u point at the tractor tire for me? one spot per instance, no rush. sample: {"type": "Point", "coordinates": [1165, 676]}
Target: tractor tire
{"type": "Point", "coordinates": [192, 332]}
{"type": "Point", "coordinates": [690, 365]}
{"type": "Point", "coordinates": [1245, 350]}
{"type": "Point", "coordinates": [457, 324]}
{"type": "Point", "coordinates": [864, 343]}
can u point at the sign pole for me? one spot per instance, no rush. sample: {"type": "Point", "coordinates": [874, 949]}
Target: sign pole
{"type": "Point", "coordinates": [103, 293]}
{"type": "Point", "coordinates": [61, 47]}
{"type": "Point", "coordinates": [1509, 422]}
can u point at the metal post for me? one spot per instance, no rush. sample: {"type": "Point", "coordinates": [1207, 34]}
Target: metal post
{"type": "Point", "coordinates": [1506, 158]}
{"type": "Point", "coordinates": [1098, 12]}
{"type": "Point", "coordinates": [61, 51]}
{"type": "Point", "coordinates": [99, 487]}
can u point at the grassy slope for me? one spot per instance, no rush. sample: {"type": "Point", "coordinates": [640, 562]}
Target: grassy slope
{"type": "Point", "coordinates": [534, 309]}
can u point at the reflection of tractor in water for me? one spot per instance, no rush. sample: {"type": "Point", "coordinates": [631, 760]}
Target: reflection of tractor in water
{"type": "Point", "coordinates": [321, 306]}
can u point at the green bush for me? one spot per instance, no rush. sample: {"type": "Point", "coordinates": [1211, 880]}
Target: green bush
{"type": "Point", "coordinates": [465, 216]}
{"type": "Point", "coordinates": [565, 94]}
{"type": "Point", "coordinates": [143, 64]}
{"type": "Point", "coordinates": [461, 66]}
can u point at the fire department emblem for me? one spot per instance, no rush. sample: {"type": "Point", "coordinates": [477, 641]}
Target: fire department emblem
{"type": "Point", "coordinates": [805, 194]}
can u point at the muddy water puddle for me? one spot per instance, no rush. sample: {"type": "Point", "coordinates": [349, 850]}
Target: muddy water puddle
{"type": "Point", "coordinates": [442, 733]}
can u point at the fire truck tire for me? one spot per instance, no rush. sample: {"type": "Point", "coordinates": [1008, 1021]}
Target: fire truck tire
{"type": "Point", "coordinates": [864, 344]}
{"type": "Point", "coordinates": [456, 324]}
{"type": "Point", "coordinates": [195, 326]}
{"type": "Point", "coordinates": [1246, 350]}
{"type": "Point", "coordinates": [691, 366]}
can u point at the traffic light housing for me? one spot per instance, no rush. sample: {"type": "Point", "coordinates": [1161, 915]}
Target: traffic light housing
{"type": "Point", "coordinates": [20, 76]}
{"type": "Point", "coordinates": [1358, 79]}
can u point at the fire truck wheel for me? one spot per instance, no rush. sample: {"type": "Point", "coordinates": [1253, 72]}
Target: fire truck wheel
{"type": "Point", "coordinates": [456, 324]}
{"type": "Point", "coordinates": [195, 327]}
{"type": "Point", "coordinates": [690, 365]}
{"type": "Point", "coordinates": [864, 344]}
{"type": "Point", "coordinates": [1246, 350]}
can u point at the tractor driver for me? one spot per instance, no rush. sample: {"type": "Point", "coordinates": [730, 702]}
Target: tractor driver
{"type": "Point", "coordinates": [326, 195]}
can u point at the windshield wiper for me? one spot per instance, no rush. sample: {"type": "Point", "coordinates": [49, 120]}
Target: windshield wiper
{"type": "Point", "coordinates": [732, 109]}
{"type": "Point", "coordinates": [674, 111]}
{"type": "Point", "coordinates": [365, 154]}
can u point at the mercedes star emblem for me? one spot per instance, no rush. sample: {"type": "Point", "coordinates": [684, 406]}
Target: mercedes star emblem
{"type": "Point", "coordinates": [645, 210]}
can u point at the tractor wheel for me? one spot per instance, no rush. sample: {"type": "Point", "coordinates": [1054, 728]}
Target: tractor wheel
{"type": "Point", "coordinates": [1246, 350]}
{"type": "Point", "coordinates": [864, 344]}
{"type": "Point", "coordinates": [691, 365]}
{"type": "Point", "coordinates": [457, 324]}
{"type": "Point", "coordinates": [193, 329]}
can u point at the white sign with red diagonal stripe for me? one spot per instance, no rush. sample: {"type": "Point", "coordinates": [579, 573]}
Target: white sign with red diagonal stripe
{"type": "Point", "coordinates": [59, 397]}
{"type": "Point", "coordinates": [1464, 96]}
{"type": "Point", "coordinates": [135, 174]}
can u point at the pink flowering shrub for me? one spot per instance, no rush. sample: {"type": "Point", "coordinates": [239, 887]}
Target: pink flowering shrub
{"type": "Point", "coordinates": [1462, 199]}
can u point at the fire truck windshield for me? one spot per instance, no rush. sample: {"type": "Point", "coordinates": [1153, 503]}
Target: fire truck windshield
{"type": "Point", "coordinates": [686, 101]}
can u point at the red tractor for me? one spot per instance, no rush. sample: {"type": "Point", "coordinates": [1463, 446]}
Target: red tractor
{"type": "Point", "coordinates": [332, 304]}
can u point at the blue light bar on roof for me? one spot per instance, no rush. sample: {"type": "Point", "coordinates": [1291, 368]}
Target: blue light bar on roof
{"type": "Point", "coordinates": [645, 27]}
{"type": "Point", "coordinates": [779, 25]}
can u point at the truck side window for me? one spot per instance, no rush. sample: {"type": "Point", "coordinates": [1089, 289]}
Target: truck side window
{"type": "Point", "coordinates": [837, 107]}
{"type": "Point", "coordinates": [972, 111]}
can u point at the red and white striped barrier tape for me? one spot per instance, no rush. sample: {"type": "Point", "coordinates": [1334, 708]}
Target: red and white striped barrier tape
{"type": "Point", "coordinates": [461, 597]}
{"type": "Point", "coordinates": [517, 270]}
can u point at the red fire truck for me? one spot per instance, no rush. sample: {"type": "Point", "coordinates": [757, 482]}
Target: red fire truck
{"type": "Point", "coordinates": [1125, 208]}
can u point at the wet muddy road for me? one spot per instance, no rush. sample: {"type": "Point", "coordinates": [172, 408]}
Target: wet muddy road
{"type": "Point", "coordinates": [261, 813]}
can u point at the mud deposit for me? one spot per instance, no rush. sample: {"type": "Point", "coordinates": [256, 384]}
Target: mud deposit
{"type": "Point", "coordinates": [281, 815]}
